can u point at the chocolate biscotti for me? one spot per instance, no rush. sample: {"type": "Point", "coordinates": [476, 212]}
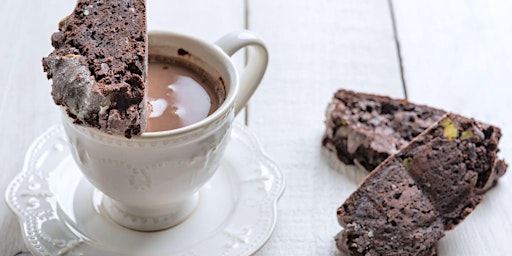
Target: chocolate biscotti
{"type": "Point", "coordinates": [99, 65]}
{"type": "Point", "coordinates": [405, 205]}
{"type": "Point", "coordinates": [365, 129]}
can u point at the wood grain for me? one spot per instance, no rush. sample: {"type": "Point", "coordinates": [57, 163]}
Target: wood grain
{"type": "Point", "coordinates": [316, 47]}
{"type": "Point", "coordinates": [457, 56]}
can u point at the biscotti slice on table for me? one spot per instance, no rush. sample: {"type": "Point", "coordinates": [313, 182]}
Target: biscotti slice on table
{"type": "Point", "coordinates": [99, 65]}
{"type": "Point", "coordinates": [405, 205]}
{"type": "Point", "coordinates": [365, 128]}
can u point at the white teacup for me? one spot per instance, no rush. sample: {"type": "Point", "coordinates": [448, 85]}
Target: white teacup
{"type": "Point", "coordinates": [151, 182]}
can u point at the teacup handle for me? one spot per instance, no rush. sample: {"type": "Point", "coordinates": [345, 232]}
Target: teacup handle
{"type": "Point", "coordinates": [256, 65]}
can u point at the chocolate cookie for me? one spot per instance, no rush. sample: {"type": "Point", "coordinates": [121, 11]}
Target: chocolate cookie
{"type": "Point", "coordinates": [405, 205]}
{"type": "Point", "coordinates": [99, 65]}
{"type": "Point", "coordinates": [365, 128]}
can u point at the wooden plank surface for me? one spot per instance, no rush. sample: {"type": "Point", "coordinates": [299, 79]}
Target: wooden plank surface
{"type": "Point", "coordinates": [25, 101]}
{"type": "Point", "coordinates": [457, 55]}
{"type": "Point", "coordinates": [316, 47]}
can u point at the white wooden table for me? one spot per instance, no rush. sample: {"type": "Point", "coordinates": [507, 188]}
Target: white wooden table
{"type": "Point", "coordinates": [455, 55]}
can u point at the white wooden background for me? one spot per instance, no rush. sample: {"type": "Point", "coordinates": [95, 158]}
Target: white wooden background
{"type": "Point", "coordinates": [456, 55]}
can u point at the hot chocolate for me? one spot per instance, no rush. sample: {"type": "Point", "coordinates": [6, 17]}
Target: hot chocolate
{"type": "Point", "coordinates": [180, 94]}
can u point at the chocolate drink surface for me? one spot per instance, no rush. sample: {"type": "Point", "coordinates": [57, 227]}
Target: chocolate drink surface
{"type": "Point", "coordinates": [180, 94]}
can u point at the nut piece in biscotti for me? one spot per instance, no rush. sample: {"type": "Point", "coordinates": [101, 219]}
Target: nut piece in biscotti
{"type": "Point", "coordinates": [405, 205]}
{"type": "Point", "coordinates": [365, 128]}
{"type": "Point", "coordinates": [99, 65]}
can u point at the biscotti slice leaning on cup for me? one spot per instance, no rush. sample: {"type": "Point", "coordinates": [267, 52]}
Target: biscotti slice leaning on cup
{"type": "Point", "coordinates": [99, 65]}
{"type": "Point", "coordinates": [405, 205]}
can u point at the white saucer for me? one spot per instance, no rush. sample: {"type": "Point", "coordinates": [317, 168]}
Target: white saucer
{"type": "Point", "coordinates": [60, 213]}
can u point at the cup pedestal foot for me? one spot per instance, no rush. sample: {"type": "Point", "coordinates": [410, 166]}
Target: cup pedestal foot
{"type": "Point", "coordinates": [150, 218]}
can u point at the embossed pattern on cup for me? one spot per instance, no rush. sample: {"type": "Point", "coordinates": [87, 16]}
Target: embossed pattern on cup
{"type": "Point", "coordinates": [160, 175]}
{"type": "Point", "coordinates": [150, 182]}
